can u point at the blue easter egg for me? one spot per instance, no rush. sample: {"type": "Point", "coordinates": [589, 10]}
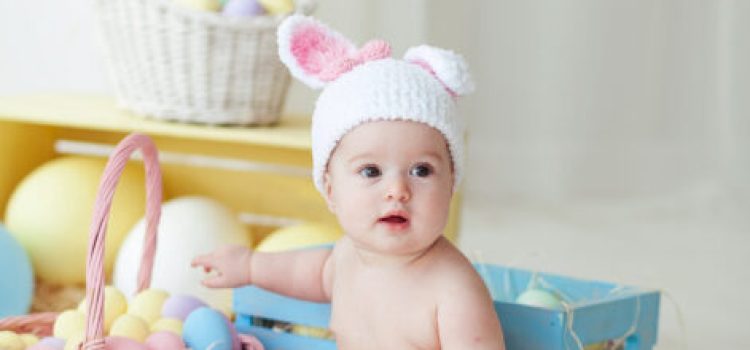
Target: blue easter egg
{"type": "Point", "coordinates": [242, 8]}
{"type": "Point", "coordinates": [206, 328]}
{"type": "Point", "coordinates": [17, 282]}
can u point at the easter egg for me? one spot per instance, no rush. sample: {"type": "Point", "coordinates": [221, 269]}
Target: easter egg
{"type": "Point", "coordinates": [11, 341]}
{"type": "Point", "coordinates": [17, 282]}
{"type": "Point", "coordinates": [299, 236]}
{"type": "Point", "coordinates": [148, 304]}
{"type": "Point", "coordinates": [69, 323]}
{"type": "Point", "coordinates": [130, 326]}
{"type": "Point", "coordinates": [200, 5]}
{"type": "Point", "coordinates": [180, 306]}
{"type": "Point", "coordinates": [39, 346]}
{"type": "Point", "coordinates": [49, 213]}
{"type": "Point", "coordinates": [236, 344]}
{"type": "Point", "coordinates": [167, 324]}
{"type": "Point", "coordinates": [242, 8]}
{"type": "Point", "coordinates": [278, 7]}
{"type": "Point", "coordinates": [206, 327]}
{"type": "Point", "coordinates": [73, 342]}
{"type": "Point", "coordinates": [123, 343]}
{"type": "Point", "coordinates": [540, 298]}
{"type": "Point", "coordinates": [189, 226]}
{"type": "Point", "coordinates": [115, 304]}
{"type": "Point", "coordinates": [29, 339]}
{"type": "Point", "coordinates": [164, 341]}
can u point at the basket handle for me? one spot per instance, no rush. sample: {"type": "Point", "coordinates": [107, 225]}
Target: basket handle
{"type": "Point", "coordinates": [94, 335]}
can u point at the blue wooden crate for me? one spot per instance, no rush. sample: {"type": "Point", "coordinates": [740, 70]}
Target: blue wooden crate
{"type": "Point", "coordinates": [596, 312]}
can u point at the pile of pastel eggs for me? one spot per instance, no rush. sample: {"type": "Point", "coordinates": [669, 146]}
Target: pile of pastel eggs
{"type": "Point", "coordinates": [152, 320]}
{"type": "Point", "coordinates": [241, 8]}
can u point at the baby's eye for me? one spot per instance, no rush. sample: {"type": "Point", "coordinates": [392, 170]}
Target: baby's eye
{"type": "Point", "coordinates": [421, 170]}
{"type": "Point", "coordinates": [370, 171]}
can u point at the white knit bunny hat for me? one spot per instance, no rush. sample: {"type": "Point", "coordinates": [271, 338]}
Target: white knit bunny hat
{"type": "Point", "coordinates": [362, 85]}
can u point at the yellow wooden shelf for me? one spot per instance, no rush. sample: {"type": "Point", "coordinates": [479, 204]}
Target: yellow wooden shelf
{"type": "Point", "coordinates": [97, 112]}
{"type": "Point", "coordinates": [31, 125]}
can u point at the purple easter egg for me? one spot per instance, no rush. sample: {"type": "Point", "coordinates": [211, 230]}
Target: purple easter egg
{"type": "Point", "coordinates": [242, 8]}
{"type": "Point", "coordinates": [38, 346]}
{"type": "Point", "coordinates": [49, 343]}
{"type": "Point", "coordinates": [180, 306]}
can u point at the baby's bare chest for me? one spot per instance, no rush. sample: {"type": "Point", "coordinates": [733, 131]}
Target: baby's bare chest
{"type": "Point", "coordinates": [383, 313]}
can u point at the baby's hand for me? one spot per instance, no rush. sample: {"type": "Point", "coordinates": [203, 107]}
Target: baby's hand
{"type": "Point", "coordinates": [230, 266]}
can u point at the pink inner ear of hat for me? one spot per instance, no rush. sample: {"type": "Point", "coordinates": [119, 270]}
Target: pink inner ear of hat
{"type": "Point", "coordinates": [372, 50]}
{"type": "Point", "coordinates": [428, 68]}
{"type": "Point", "coordinates": [314, 49]}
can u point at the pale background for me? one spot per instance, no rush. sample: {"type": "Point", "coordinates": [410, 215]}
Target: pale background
{"type": "Point", "coordinates": [608, 139]}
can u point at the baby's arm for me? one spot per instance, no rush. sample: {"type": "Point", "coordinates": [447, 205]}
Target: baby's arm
{"type": "Point", "coordinates": [304, 274]}
{"type": "Point", "coordinates": [466, 317]}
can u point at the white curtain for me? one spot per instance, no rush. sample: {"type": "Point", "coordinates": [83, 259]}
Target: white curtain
{"type": "Point", "coordinates": [608, 98]}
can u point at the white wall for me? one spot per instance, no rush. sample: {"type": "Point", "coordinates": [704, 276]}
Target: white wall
{"type": "Point", "coordinates": [608, 140]}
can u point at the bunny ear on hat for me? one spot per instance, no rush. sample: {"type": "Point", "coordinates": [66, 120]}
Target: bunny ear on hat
{"type": "Point", "coordinates": [316, 54]}
{"type": "Point", "coordinates": [307, 47]}
{"type": "Point", "coordinates": [447, 66]}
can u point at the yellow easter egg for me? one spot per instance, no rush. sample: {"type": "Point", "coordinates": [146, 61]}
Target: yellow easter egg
{"type": "Point", "coordinates": [147, 305]}
{"type": "Point", "coordinates": [299, 236]}
{"type": "Point", "coordinates": [62, 192]}
{"type": "Point", "coordinates": [68, 324]}
{"type": "Point", "coordinates": [115, 304]}
{"type": "Point", "coordinates": [277, 7]}
{"type": "Point", "coordinates": [167, 324]}
{"type": "Point", "coordinates": [201, 5]}
{"type": "Point", "coordinates": [11, 341]}
{"type": "Point", "coordinates": [130, 326]}
{"type": "Point", "coordinates": [29, 339]}
{"type": "Point", "coordinates": [72, 343]}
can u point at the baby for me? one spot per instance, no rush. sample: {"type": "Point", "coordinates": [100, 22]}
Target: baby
{"type": "Point", "coordinates": [387, 151]}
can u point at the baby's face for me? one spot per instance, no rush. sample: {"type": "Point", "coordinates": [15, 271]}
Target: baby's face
{"type": "Point", "coordinates": [390, 185]}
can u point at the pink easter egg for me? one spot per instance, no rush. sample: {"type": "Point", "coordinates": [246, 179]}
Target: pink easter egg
{"type": "Point", "coordinates": [164, 341]}
{"type": "Point", "coordinates": [122, 343]}
{"type": "Point", "coordinates": [180, 306]}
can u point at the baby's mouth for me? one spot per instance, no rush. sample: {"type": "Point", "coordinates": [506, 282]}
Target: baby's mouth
{"type": "Point", "coordinates": [394, 219]}
{"type": "Point", "coordinates": [397, 221]}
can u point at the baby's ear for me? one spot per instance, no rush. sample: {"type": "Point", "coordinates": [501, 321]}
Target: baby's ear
{"type": "Point", "coordinates": [307, 47]}
{"type": "Point", "coordinates": [328, 192]}
{"type": "Point", "coordinates": [447, 66]}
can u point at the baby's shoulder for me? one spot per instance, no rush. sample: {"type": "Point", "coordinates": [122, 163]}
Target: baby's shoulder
{"type": "Point", "coordinates": [452, 267]}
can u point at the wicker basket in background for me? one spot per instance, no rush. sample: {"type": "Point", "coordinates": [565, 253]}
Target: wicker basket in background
{"type": "Point", "coordinates": [173, 63]}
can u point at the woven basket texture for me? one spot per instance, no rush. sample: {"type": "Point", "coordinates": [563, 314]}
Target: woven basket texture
{"type": "Point", "coordinates": [172, 63]}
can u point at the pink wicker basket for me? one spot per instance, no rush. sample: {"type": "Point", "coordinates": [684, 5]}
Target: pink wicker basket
{"type": "Point", "coordinates": [42, 324]}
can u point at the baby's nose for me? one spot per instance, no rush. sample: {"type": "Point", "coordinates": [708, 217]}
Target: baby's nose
{"type": "Point", "coordinates": [398, 189]}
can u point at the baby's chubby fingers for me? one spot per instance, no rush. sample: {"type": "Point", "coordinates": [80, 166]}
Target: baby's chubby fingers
{"type": "Point", "coordinates": [205, 261]}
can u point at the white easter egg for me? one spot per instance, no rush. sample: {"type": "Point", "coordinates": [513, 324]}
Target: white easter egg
{"type": "Point", "coordinates": [189, 226]}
